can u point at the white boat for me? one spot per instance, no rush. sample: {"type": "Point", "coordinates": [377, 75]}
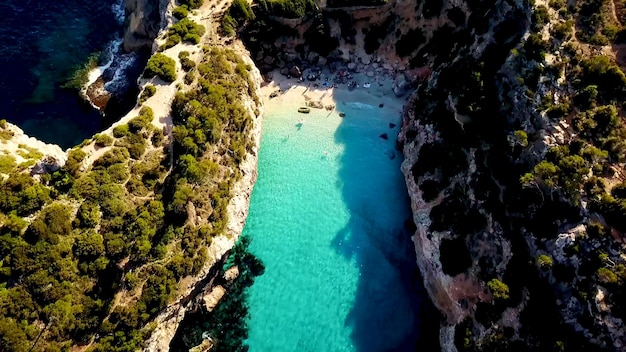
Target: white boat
{"type": "Point", "coordinates": [366, 85]}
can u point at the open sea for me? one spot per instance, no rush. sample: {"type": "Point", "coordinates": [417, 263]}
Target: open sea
{"type": "Point", "coordinates": [43, 42]}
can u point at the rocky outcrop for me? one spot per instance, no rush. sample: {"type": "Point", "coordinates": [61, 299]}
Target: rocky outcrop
{"type": "Point", "coordinates": [16, 143]}
{"type": "Point", "coordinates": [144, 20]}
{"type": "Point", "coordinates": [97, 94]}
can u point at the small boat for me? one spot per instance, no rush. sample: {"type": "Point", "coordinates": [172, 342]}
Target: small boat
{"type": "Point", "coordinates": [342, 114]}
{"type": "Point", "coordinates": [304, 110]}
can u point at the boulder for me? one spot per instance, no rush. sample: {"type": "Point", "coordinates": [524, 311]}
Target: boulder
{"type": "Point", "coordinates": [284, 71]}
{"type": "Point", "coordinates": [46, 165]}
{"type": "Point", "coordinates": [290, 56]}
{"type": "Point", "coordinates": [266, 68]}
{"type": "Point", "coordinates": [268, 60]}
{"type": "Point", "coordinates": [370, 74]}
{"type": "Point", "coordinates": [295, 71]}
{"type": "Point", "coordinates": [366, 60]}
{"type": "Point", "coordinates": [392, 125]}
{"type": "Point", "coordinates": [321, 61]}
{"type": "Point", "coordinates": [98, 95]}
{"type": "Point", "coordinates": [351, 66]}
{"type": "Point", "coordinates": [384, 136]}
{"type": "Point", "coordinates": [313, 57]}
{"type": "Point", "coordinates": [400, 86]}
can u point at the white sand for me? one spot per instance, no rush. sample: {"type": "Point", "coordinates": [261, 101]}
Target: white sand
{"type": "Point", "coordinates": [296, 93]}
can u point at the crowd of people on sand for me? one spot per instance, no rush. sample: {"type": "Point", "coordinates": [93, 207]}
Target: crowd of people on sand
{"type": "Point", "coordinates": [332, 80]}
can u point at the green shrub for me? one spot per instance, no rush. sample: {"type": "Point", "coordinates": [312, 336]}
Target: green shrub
{"type": "Point", "coordinates": [499, 290]}
{"type": "Point", "coordinates": [120, 131]}
{"type": "Point", "coordinates": [162, 66]}
{"type": "Point", "coordinates": [180, 12]}
{"type": "Point", "coordinates": [88, 215]}
{"type": "Point", "coordinates": [148, 91]}
{"type": "Point", "coordinates": [75, 160]}
{"type": "Point", "coordinates": [135, 144]}
{"type": "Point", "coordinates": [237, 15]}
{"type": "Point", "coordinates": [563, 30]}
{"type": "Point", "coordinates": [187, 31]}
{"type": "Point", "coordinates": [7, 164]}
{"type": "Point", "coordinates": [540, 17]}
{"type": "Point", "coordinates": [113, 156]}
{"type": "Point", "coordinates": [606, 276]}
{"type": "Point", "coordinates": [52, 222]}
{"type": "Point", "coordinates": [189, 77]}
{"type": "Point", "coordinates": [287, 8]}
{"type": "Point", "coordinates": [544, 261]}
{"type": "Point", "coordinates": [191, 4]}
{"type": "Point", "coordinates": [187, 64]}
{"type": "Point", "coordinates": [103, 140]}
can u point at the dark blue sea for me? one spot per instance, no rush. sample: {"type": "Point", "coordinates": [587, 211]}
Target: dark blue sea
{"type": "Point", "coordinates": [43, 42]}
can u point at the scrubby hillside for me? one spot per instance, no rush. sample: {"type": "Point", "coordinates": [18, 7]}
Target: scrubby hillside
{"type": "Point", "coordinates": [91, 252]}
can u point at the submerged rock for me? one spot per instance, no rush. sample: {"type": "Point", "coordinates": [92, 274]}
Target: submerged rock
{"type": "Point", "coordinates": [295, 71]}
{"type": "Point", "coordinates": [400, 86]}
{"type": "Point", "coordinates": [384, 136]}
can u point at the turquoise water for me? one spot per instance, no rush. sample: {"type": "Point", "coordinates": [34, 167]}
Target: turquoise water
{"type": "Point", "coordinates": [327, 219]}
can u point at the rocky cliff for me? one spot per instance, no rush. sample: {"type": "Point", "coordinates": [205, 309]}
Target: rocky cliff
{"type": "Point", "coordinates": [144, 20]}
{"type": "Point", "coordinates": [501, 183]}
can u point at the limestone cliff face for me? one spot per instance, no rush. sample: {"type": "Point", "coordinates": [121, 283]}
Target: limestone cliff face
{"type": "Point", "coordinates": [144, 20]}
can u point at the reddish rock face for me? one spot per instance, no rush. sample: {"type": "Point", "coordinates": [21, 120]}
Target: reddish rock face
{"type": "Point", "coordinates": [98, 95]}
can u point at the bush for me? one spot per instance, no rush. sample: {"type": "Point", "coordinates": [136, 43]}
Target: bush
{"type": "Point", "coordinates": [499, 290]}
{"type": "Point", "coordinates": [187, 31]}
{"type": "Point", "coordinates": [103, 140]}
{"type": "Point", "coordinates": [544, 262]}
{"type": "Point", "coordinates": [187, 64]}
{"type": "Point", "coordinates": [88, 215]}
{"type": "Point", "coordinates": [53, 221]}
{"type": "Point", "coordinates": [75, 160]}
{"type": "Point", "coordinates": [162, 66]}
{"type": "Point", "coordinates": [288, 8]}
{"type": "Point", "coordinates": [540, 17]}
{"type": "Point", "coordinates": [148, 91]}
{"type": "Point", "coordinates": [120, 131]}
{"type": "Point", "coordinates": [180, 12]}
{"type": "Point", "coordinates": [191, 4]}
{"type": "Point", "coordinates": [7, 163]}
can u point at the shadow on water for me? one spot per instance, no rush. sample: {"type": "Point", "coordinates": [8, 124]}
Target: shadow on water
{"type": "Point", "coordinates": [391, 310]}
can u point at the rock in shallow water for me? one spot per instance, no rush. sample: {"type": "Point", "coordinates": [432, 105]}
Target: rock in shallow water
{"type": "Point", "coordinates": [98, 95]}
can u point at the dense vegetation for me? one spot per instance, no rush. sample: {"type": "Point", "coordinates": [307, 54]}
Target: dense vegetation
{"type": "Point", "coordinates": [97, 251]}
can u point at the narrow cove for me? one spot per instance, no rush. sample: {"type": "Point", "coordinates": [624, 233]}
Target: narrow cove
{"type": "Point", "coordinates": [327, 218]}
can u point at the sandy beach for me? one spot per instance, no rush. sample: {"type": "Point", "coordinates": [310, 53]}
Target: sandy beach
{"type": "Point", "coordinates": [324, 93]}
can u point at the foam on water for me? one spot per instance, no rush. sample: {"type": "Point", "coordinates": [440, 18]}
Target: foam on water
{"type": "Point", "coordinates": [122, 63]}
{"type": "Point", "coordinates": [326, 218]}
{"type": "Point", "coordinates": [109, 56]}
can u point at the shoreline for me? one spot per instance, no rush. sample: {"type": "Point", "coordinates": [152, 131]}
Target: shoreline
{"type": "Point", "coordinates": [324, 93]}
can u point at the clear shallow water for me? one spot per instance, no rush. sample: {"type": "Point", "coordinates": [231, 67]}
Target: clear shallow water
{"type": "Point", "coordinates": [327, 219]}
{"type": "Point", "coordinates": [43, 41]}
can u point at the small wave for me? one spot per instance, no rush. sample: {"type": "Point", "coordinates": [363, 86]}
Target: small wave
{"type": "Point", "coordinates": [119, 11]}
{"type": "Point", "coordinates": [109, 56]}
{"type": "Point", "coordinates": [119, 82]}
{"type": "Point", "coordinates": [360, 106]}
